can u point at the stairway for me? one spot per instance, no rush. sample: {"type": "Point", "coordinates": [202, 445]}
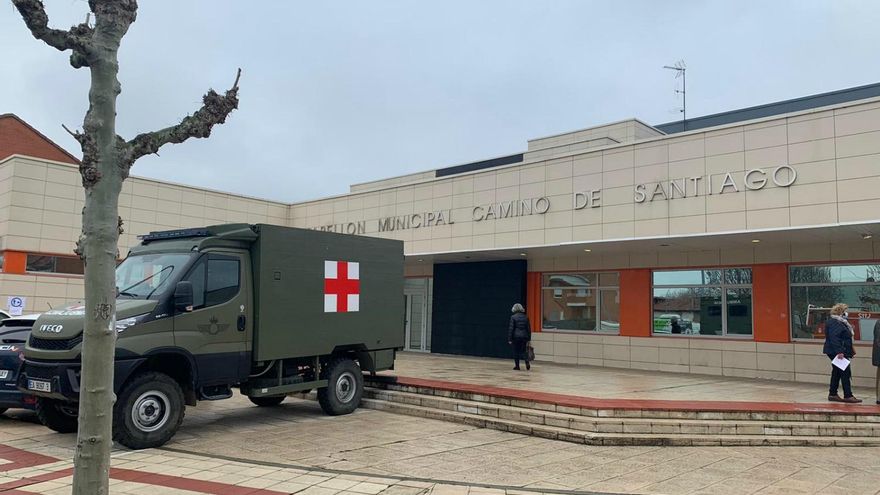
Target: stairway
{"type": "Point", "coordinates": [600, 426]}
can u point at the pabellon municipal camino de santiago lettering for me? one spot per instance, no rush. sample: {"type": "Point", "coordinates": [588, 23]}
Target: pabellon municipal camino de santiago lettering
{"type": "Point", "coordinates": [683, 187]}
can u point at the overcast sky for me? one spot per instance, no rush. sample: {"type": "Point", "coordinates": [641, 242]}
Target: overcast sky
{"type": "Point", "coordinates": [336, 93]}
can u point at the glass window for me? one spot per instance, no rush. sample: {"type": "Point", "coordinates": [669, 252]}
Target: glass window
{"type": "Point", "coordinates": [703, 302]}
{"type": "Point", "coordinates": [570, 280]}
{"type": "Point", "coordinates": [146, 275]}
{"type": "Point", "coordinates": [814, 289]}
{"type": "Point", "coordinates": [223, 279]}
{"type": "Point", "coordinates": [687, 277]}
{"type": "Point", "coordinates": [197, 278]}
{"type": "Point", "coordinates": [40, 264]}
{"type": "Point", "coordinates": [54, 264]}
{"type": "Point", "coordinates": [581, 301]}
{"type": "Point", "coordinates": [610, 310]}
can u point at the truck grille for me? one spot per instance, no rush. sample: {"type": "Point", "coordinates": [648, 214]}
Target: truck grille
{"type": "Point", "coordinates": [54, 344]}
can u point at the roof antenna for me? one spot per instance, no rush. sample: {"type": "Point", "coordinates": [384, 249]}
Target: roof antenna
{"type": "Point", "coordinates": [680, 69]}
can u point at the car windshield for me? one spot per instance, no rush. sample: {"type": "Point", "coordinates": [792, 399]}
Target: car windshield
{"type": "Point", "coordinates": [146, 275]}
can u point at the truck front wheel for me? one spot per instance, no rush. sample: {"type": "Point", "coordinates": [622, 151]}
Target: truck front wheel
{"type": "Point", "coordinates": [57, 415]}
{"type": "Point", "coordinates": [149, 411]}
{"type": "Point", "coordinates": [345, 386]}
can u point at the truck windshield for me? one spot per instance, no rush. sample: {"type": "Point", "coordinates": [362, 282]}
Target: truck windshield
{"type": "Point", "coordinates": [145, 275]}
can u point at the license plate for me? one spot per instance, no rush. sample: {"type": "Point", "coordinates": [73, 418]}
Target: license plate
{"type": "Point", "coordinates": [4, 374]}
{"type": "Point", "coordinates": [39, 386]}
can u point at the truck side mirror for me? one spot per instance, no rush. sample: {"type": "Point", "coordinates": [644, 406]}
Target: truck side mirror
{"type": "Point", "coordinates": [183, 296]}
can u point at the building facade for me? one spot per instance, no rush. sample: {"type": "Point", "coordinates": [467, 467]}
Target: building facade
{"type": "Point", "coordinates": [715, 250]}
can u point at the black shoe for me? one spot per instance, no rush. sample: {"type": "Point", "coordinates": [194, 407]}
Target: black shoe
{"type": "Point", "coordinates": [516, 368]}
{"type": "Point", "coordinates": [878, 402]}
{"type": "Point", "coordinates": [528, 366]}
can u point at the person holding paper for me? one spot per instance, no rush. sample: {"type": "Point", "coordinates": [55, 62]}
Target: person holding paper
{"type": "Point", "coordinates": [838, 346]}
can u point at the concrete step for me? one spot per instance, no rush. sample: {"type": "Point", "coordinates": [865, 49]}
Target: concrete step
{"type": "Point", "coordinates": [640, 425]}
{"type": "Point", "coordinates": [608, 438]}
{"type": "Point", "coordinates": [807, 413]}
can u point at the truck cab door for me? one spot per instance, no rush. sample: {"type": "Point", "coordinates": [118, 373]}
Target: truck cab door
{"type": "Point", "coordinates": [218, 330]}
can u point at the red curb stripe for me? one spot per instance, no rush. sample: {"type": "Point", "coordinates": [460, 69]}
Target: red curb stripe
{"type": "Point", "coordinates": [21, 458]}
{"type": "Point", "coordinates": [181, 483]}
{"type": "Point", "coordinates": [639, 404]}
{"type": "Point", "coordinates": [33, 480]}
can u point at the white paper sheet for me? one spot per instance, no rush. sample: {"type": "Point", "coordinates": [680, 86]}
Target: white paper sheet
{"type": "Point", "coordinates": [840, 362]}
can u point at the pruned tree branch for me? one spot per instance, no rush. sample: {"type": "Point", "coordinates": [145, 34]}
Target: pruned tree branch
{"type": "Point", "coordinates": [78, 38]}
{"type": "Point", "coordinates": [215, 109]}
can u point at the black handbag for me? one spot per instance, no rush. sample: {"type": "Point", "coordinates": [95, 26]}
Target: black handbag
{"type": "Point", "coordinates": [530, 352]}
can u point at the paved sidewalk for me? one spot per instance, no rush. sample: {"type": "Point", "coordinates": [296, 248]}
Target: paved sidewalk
{"type": "Point", "coordinates": [233, 448]}
{"type": "Point", "coordinates": [609, 383]}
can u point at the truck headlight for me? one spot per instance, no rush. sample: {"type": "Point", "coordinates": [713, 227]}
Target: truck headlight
{"type": "Point", "coordinates": [121, 325]}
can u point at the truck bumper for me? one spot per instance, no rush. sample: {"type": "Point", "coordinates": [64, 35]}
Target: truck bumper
{"type": "Point", "coordinates": [64, 378]}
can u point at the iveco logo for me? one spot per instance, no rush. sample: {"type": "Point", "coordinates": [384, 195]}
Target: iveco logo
{"type": "Point", "coordinates": [51, 328]}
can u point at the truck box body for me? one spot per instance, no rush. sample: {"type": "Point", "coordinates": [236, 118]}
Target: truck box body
{"type": "Point", "coordinates": [295, 270]}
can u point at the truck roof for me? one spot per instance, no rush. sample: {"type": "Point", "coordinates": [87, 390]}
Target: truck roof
{"type": "Point", "coordinates": [241, 234]}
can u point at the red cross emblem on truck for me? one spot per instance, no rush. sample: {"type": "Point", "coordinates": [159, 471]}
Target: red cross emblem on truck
{"type": "Point", "coordinates": [342, 286]}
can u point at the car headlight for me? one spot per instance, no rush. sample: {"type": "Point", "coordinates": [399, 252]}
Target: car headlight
{"type": "Point", "coordinates": [121, 325]}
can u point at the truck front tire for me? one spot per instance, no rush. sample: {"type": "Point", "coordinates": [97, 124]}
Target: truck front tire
{"type": "Point", "coordinates": [149, 411]}
{"type": "Point", "coordinates": [57, 415]}
{"type": "Point", "coordinates": [268, 401]}
{"type": "Point", "coordinates": [345, 386]}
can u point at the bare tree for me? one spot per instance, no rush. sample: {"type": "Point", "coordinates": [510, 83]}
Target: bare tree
{"type": "Point", "coordinates": [106, 161]}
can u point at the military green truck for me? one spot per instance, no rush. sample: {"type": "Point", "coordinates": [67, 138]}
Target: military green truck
{"type": "Point", "coordinates": [266, 309]}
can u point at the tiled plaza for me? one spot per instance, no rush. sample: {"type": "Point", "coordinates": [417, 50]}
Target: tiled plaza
{"type": "Point", "coordinates": [232, 447]}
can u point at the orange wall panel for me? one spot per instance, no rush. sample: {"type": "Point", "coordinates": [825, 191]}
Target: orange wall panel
{"type": "Point", "coordinates": [533, 300]}
{"type": "Point", "coordinates": [635, 303]}
{"type": "Point", "coordinates": [14, 262]}
{"type": "Point", "coordinates": [770, 303]}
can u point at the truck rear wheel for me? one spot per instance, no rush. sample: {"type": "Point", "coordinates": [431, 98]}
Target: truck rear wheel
{"type": "Point", "coordinates": [57, 415]}
{"type": "Point", "coordinates": [268, 401]}
{"type": "Point", "coordinates": [149, 411]}
{"type": "Point", "coordinates": [345, 386]}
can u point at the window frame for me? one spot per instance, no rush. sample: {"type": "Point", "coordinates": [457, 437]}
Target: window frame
{"type": "Point", "coordinates": [206, 258]}
{"type": "Point", "coordinates": [723, 286]}
{"type": "Point", "coordinates": [791, 285]}
{"type": "Point", "coordinates": [54, 271]}
{"type": "Point", "coordinates": [598, 288]}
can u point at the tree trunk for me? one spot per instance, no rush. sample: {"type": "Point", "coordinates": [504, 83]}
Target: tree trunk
{"type": "Point", "coordinates": [106, 161]}
{"type": "Point", "coordinates": [102, 179]}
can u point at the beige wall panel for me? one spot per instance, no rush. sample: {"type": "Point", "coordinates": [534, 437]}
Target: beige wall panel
{"type": "Point", "coordinates": [811, 151]}
{"type": "Point", "coordinates": [858, 167]}
{"type": "Point", "coordinates": [687, 168]}
{"type": "Point", "coordinates": [652, 228]}
{"type": "Point", "coordinates": [618, 230]}
{"type": "Point", "coordinates": [766, 157]}
{"type": "Point", "coordinates": [617, 178]}
{"type": "Point", "coordinates": [721, 164]}
{"type": "Point", "coordinates": [808, 130]}
{"type": "Point", "coordinates": [694, 224]}
{"type": "Point", "coordinates": [650, 154]}
{"type": "Point", "coordinates": [813, 215]}
{"type": "Point", "coordinates": [590, 163]}
{"type": "Point", "coordinates": [857, 122]}
{"type": "Point", "coordinates": [765, 136]}
{"type": "Point", "coordinates": [858, 144]}
{"type": "Point", "coordinates": [686, 148]}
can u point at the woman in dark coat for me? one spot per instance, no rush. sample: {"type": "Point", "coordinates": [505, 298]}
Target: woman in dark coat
{"type": "Point", "coordinates": [519, 334]}
{"type": "Point", "coordinates": [839, 344]}
{"type": "Point", "coordinates": [875, 356]}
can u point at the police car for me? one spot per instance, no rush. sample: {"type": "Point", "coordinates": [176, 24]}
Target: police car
{"type": "Point", "coordinates": [14, 332]}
